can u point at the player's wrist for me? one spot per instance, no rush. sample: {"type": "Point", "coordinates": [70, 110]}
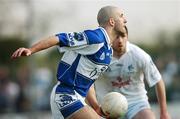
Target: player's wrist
{"type": "Point", "coordinates": [164, 112]}
{"type": "Point", "coordinates": [100, 112]}
{"type": "Point", "coordinates": [96, 107]}
{"type": "Point", "coordinates": [31, 50]}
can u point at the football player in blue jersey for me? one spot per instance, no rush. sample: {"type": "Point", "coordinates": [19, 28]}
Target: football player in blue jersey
{"type": "Point", "coordinates": [86, 55]}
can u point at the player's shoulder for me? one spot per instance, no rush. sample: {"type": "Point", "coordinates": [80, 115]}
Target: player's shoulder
{"type": "Point", "coordinates": [138, 52]}
{"type": "Point", "coordinates": [95, 36]}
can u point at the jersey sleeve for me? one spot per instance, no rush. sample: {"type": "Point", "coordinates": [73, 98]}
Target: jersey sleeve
{"type": "Point", "coordinates": [86, 42]}
{"type": "Point", "coordinates": [151, 73]}
{"type": "Point", "coordinates": [72, 39]}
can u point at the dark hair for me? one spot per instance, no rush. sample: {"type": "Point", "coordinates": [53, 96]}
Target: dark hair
{"type": "Point", "coordinates": [123, 34]}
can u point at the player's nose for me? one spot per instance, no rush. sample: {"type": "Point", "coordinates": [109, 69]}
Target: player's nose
{"type": "Point", "coordinates": [120, 40]}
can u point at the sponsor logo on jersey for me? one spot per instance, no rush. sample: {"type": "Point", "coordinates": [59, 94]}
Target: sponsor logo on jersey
{"type": "Point", "coordinates": [65, 99]}
{"type": "Point", "coordinates": [119, 82]}
{"type": "Point", "coordinates": [130, 68]}
{"type": "Point", "coordinates": [96, 72]}
{"type": "Point", "coordinates": [75, 38]}
{"type": "Point", "coordinates": [78, 36]}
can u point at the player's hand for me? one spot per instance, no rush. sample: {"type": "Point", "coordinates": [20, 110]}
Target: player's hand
{"type": "Point", "coordinates": [101, 113]}
{"type": "Point", "coordinates": [165, 116]}
{"type": "Point", "coordinates": [21, 52]}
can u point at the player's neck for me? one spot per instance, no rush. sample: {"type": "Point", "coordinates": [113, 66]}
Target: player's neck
{"type": "Point", "coordinates": [112, 35]}
{"type": "Point", "coordinates": [117, 54]}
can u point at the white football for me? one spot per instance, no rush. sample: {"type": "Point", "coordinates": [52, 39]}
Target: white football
{"type": "Point", "coordinates": [115, 104]}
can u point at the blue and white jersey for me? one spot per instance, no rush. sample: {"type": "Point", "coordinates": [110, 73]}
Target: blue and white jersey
{"type": "Point", "coordinates": [86, 55]}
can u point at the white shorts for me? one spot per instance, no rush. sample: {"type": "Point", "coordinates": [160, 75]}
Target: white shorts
{"type": "Point", "coordinates": [65, 104]}
{"type": "Point", "coordinates": [136, 107]}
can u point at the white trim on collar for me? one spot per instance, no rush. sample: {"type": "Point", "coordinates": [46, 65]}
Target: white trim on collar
{"type": "Point", "coordinates": [106, 35]}
{"type": "Point", "coordinates": [127, 46]}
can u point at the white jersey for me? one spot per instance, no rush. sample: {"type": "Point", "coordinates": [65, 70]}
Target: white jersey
{"type": "Point", "coordinates": [127, 74]}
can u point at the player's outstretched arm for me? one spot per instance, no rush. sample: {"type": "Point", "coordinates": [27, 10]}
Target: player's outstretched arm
{"type": "Point", "coordinates": [41, 45]}
{"type": "Point", "coordinates": [161, 95]}
{"type": "Point", "coordinates": [92, 101]}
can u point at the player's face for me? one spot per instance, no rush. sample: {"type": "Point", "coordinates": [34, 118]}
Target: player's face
{"type": "Point", "coordinates": [119, 44]}
{"type": "Point", "coordinates": [120, 22]}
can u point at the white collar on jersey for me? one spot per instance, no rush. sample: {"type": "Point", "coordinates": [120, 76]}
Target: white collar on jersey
{"type": "Point", "coordinates": [106, 35]}
{"type": "Point", "coordinates": [127, 46]}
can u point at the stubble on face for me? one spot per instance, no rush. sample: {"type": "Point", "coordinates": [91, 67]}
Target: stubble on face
{"type": "Point", "coordinates": [120, 22]}
{"type": "Point", "coordinates": [118, 52]}
{"type": "Point", "coordinates": [119, 29]}
{"type": "Point", "coordinates": [119, 49]}
{"type": "Point", "coordinates": [119, 46]}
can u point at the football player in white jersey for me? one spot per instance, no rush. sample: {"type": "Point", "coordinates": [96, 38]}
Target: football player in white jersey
{"type": "Point", "coordinates": [129, 67]}
{"type": "Point", "coordinates": [86, 55]}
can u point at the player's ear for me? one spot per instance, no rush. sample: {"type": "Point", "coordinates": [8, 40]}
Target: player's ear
{"type": "Point", "coordinates": [111, 21]}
